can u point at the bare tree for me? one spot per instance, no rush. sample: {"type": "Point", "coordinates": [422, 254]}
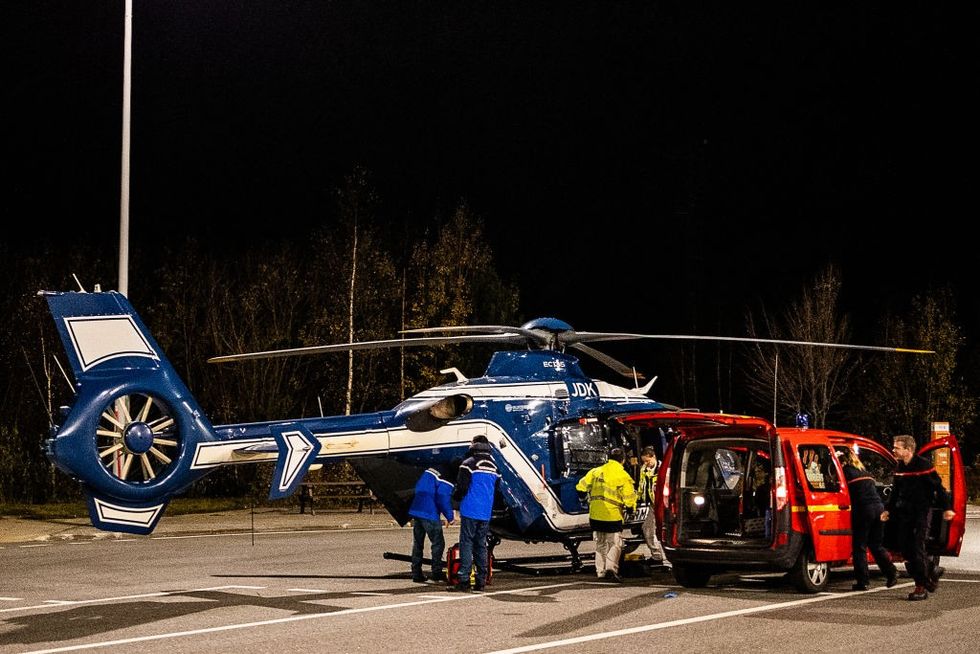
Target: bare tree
{"type": "Point", "coordinates": [898, 393]}
{"type": "Point", "coordinates": [804, 378]}
{"type": "Point", "coordinates": [451, 281]}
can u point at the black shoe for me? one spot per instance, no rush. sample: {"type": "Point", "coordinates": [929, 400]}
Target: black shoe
{"type": "Point", "coordinates": [918, 594]}
{"type": "Point", "coordinates": [613, 577]}
{"type": "Point", "coordinates": [891, 580]}
{"type": "Point", "coordinates": [938, 572]}
{"type": "Point", "coordinates": [859, 587]}
{"type": "Point", "coordinates": [436, 576]}
{"type": "Point", "coordinates": [479, 587]}
{"type": "Point", "coordinates": [931, 585]}
{"type": "Point", "coordinates": [419, 578]}
{"type": "Point", "coordinates": [459, 588]}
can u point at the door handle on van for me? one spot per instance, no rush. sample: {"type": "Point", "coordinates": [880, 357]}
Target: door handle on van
{"type": "Point", "coordinates": [844, 507]}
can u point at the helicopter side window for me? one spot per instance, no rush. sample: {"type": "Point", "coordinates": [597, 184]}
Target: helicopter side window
{"type": "Point", "coordinates": [583, 446]}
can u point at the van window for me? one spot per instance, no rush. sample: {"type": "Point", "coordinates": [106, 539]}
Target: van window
{"type": "Point", "coordinates": [819, 469]}
{"type": "Point", "coordinates": [877, 466]}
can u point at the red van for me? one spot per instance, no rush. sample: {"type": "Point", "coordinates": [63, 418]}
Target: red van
{"type": "Point", "coordinates": [736, 493]}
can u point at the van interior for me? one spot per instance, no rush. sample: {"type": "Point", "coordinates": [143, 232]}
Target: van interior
{"type": "Point", "coordinates": [726, 492]}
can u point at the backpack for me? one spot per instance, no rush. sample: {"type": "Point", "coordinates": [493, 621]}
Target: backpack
{"type": "Point", "coordinates": [452, 567]}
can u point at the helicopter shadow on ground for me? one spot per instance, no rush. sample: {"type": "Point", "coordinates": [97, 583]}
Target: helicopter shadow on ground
{"type": "Point", "coordinates": [95, 619]}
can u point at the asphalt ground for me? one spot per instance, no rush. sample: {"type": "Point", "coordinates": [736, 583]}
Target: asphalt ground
{"type": "Point", "coordinates": [218, 586]}
{"type": "Point", "coordinates": [17, 530]}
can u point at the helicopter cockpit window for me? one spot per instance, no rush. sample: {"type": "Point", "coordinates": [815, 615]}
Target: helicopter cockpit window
{"type": "Point", "coordinates": [583, 446]}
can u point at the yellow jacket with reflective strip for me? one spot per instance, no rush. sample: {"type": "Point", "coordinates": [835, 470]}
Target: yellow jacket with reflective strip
{"type": "Point", "coordinates": [610, 489]}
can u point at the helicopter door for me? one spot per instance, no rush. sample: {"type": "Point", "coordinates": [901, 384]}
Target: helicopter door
{"type": "Point", "coordinates": [579, 446]}
{"type": "Point", "coordinates": [944, 537]}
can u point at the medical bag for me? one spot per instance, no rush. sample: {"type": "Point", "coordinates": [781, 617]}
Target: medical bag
{"type": "Point", "coordinates": [452, 567]}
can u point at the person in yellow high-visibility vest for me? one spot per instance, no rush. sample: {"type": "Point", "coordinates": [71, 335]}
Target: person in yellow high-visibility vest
{"type": "Point", "coordinates": [611, 492]}
{"type": "Point", "coordinates": [645, 490]}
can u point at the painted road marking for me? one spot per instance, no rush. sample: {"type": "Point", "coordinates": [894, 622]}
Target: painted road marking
{"type": "Point", "coordinates": [686, 621]}
{"type": "Point", "coordinates": [52, 603]}
{"type": "Point", "coordinates": [294, 618]}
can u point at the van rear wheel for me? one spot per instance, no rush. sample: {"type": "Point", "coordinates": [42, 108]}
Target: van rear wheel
{"type": "Point", "coordinates": [689, 577]}
{"type": "Point", "coordinates": [808, 575]}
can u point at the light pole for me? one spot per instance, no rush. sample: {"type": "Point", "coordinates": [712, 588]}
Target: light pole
{"type": "Point", "coordinates": [124, 181]}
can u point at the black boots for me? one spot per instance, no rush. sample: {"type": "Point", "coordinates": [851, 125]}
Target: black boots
{"type": "Point", "coordinates": [918, 594]}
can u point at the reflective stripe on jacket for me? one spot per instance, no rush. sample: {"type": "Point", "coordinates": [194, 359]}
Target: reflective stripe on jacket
{"type": "Point", "coordinates": [610, 489]}
{"type": "Point", "coordinates": [648, 484]}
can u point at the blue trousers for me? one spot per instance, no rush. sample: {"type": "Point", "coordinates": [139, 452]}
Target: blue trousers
{"type": "Point", "coordinates": [473, 549]}
{"type": "Point", "coordinates": [433, 529]}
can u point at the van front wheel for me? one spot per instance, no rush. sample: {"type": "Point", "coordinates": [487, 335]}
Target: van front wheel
{"type": "Point", "coordinates": [809, 576]}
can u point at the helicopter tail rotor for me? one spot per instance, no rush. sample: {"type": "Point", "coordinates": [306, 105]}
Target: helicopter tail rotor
{"type": "Point", "coordinates": [132, 428]}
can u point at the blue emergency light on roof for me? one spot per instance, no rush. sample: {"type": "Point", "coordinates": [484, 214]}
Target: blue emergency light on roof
{"type": "Point", "coordinates": [803, 420]}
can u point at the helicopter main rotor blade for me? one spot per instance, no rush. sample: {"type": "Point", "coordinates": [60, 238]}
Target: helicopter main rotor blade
{"type": "Point", "coordinates": [481, 329]}
{"type": "Point", "coordinates": [618, 366]}
{"type": "Point", "coordinates": [370, 345]}
{"type": "Point", "coordinates": [588, 337]}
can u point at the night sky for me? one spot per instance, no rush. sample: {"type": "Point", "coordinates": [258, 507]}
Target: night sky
{"type": "Point", "coordinates": [708, 155]}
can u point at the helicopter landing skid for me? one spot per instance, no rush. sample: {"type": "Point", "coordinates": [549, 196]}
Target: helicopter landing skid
{"type": "Point", "coordinates": [539, 566]}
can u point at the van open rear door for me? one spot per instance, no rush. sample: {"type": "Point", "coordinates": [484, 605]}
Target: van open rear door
{"type": "Point", "coordinates": [946, 538]}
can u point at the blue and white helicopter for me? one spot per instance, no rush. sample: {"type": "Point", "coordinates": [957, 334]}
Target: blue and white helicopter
{"type": "Point", "coordinates": [135, 437]}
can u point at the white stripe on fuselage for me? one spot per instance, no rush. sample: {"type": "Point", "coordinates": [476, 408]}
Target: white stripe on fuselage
{"type": "Point", "coordinates": [456, 434]}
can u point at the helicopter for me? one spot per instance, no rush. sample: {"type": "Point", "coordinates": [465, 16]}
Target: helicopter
{"type": "Point", "coordinates": [135, 437]}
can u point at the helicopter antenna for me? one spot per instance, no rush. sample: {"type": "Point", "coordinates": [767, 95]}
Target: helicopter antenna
{"type": "Point", "coordinates": [80, 287]}
{"type": "Point", "coordinates": [460, 377]}
{"type": "Point", "coordinates": [63, 373]}
{"type": "Point", "coordinates": [646, 387]}
{"type": "Point", "coordinates": [320, 404]}
{"type": "Point", "coordinates": [37, 386]}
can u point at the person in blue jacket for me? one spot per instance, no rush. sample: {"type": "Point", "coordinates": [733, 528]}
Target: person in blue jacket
{"type": "Point", "coordinates": [476, 483]}
{"type": "Point", "coordinates": [432, 497]}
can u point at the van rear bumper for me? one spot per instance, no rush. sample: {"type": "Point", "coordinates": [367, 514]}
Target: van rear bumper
{"type": "Point", "coordinates": [728, 557]}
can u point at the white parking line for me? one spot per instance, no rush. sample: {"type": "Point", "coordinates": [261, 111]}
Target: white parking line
{"type": "Point", "coordinates": [293, 618]}
{"type": "Point", "coordinates": [685, 621]}
{"type": "Point", "coordinates": [10, 599]}
{"type": "Point", "coordinates": [305, 590]}
{"type": "Point", "coordinates": [53, 603]}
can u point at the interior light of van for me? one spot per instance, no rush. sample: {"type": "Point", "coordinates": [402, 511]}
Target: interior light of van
{"type": "Point", "coordinates": [782, 493]}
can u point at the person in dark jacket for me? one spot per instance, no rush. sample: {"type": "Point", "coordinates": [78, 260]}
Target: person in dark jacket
{"type": "Point", "coordinates": [476, 484]}
{"type": "Point", "coordinates": [866, 529]}
{"type": "Point", "coordinates": [916, 489]}
{"type": "Point", "coordinates": [432, 497]}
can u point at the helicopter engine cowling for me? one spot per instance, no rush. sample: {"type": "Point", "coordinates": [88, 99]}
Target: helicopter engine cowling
{"type": "Point", "coordinates": [434, 413]}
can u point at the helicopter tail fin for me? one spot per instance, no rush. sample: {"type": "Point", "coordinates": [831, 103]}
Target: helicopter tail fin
{"type": "Point", "coordinates": [132, 431]}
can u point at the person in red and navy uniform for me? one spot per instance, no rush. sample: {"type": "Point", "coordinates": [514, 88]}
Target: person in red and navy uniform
{"type": "Point", "coordinates": [916, 489]}
{"type": "Point", "coordinates": [866, 529]}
